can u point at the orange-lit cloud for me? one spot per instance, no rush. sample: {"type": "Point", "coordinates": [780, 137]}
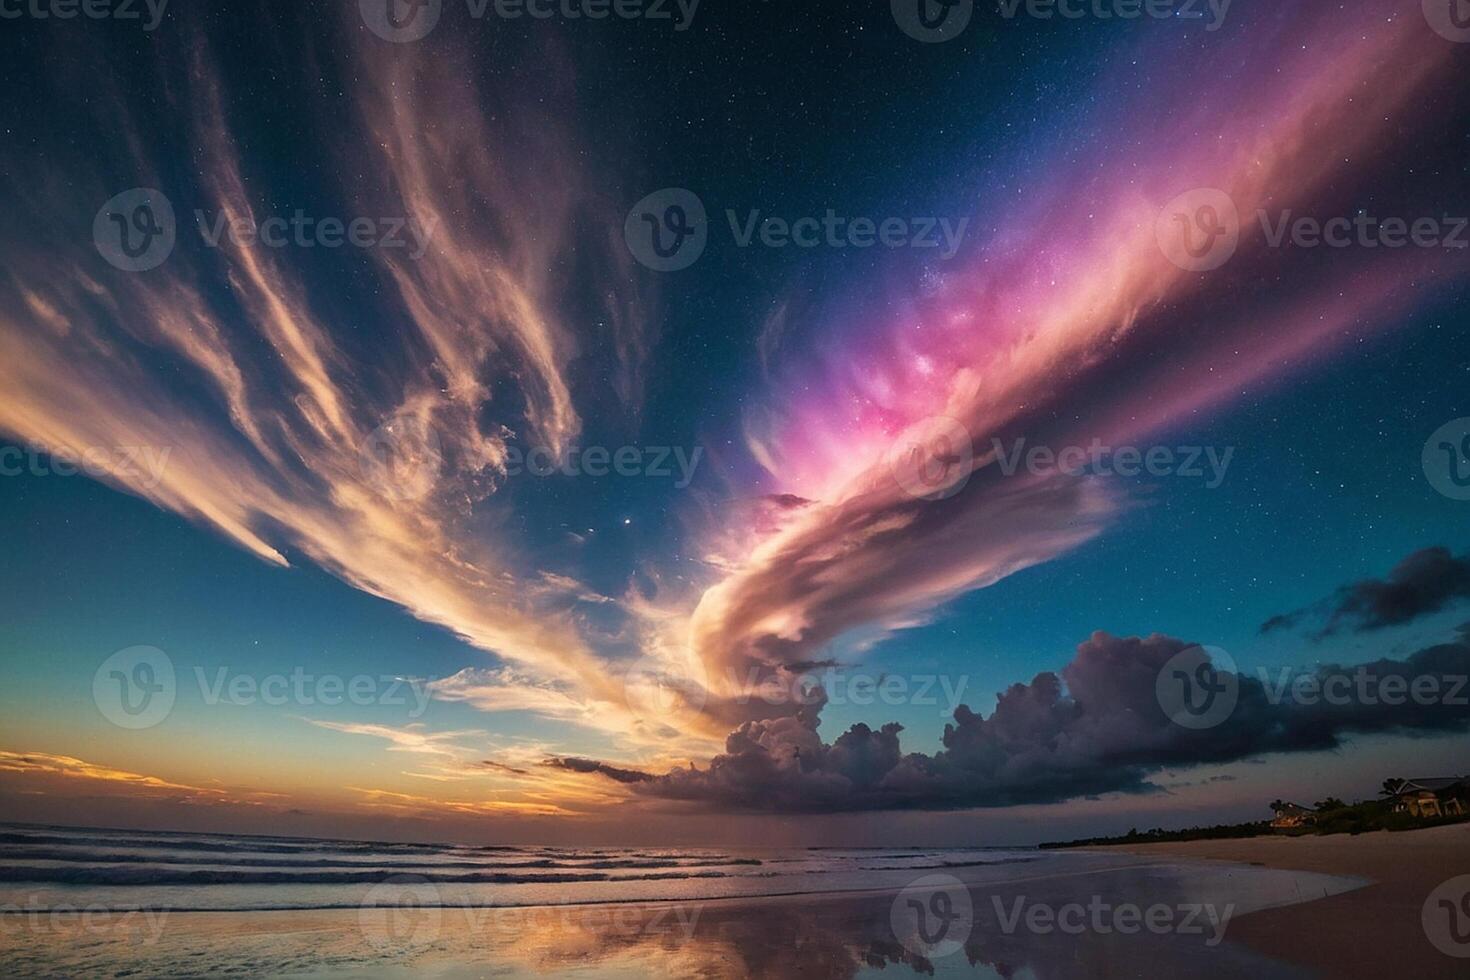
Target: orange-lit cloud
{"type": "Point", "coordinates": [60, 771]}
{"type": "Point", "coordinates": [369, 463]}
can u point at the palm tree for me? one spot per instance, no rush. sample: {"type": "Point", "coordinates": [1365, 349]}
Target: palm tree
{"type": "Point", "coordinates": [1391, 787]}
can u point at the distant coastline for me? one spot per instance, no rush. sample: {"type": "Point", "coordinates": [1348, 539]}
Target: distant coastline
{"type": "Point", "coordinates": [1359, 818]}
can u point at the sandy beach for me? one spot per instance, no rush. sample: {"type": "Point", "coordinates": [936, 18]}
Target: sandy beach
{"type": "Point", "coordinates": [1268, 908]}
{"type": "Point", "coordinates": [1103, 913]}
{"type": "Point", "coordinates": [1375, 931]}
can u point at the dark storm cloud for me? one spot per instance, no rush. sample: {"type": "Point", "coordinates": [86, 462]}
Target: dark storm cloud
{"type": "Point", "coordinates": [601, 768]}
{"type": "Point", "coordinates": [1425, 582]}
{"type": "Point", "coordinates": [494, 766]}
{"type": "Point", "coordinates": [1095, 727]}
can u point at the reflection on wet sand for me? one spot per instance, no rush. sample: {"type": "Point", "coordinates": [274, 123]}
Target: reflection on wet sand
{"type": "Point", "coordinates": [1137, 919]}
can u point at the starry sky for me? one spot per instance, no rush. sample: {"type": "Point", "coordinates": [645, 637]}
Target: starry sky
{"type": "Point", "coordinates": [342, 493]}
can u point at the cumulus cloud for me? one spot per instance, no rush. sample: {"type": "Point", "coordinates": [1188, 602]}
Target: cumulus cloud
{"type": "Point", "coordinates": [1096, 726]}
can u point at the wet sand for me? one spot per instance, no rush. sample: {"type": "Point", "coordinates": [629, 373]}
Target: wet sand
{"type": "Point", "coordinates": [827, 936]}
{"type": "Point", "coordinates": [1376, 931]}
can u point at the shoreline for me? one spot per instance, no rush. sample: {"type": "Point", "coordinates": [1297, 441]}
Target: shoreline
{"type": "Point", "coordinates": [824, 935]}
{"type": "Point", "coordinates": [1370, 932]}
{"type": "Point", "coordinates": [1283, 895]}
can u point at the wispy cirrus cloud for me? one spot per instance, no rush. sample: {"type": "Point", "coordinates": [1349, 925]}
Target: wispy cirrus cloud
{"type": "Point", "coordinates": [274, 404]}
{"type": "Point", "coordinates": [410, 738]}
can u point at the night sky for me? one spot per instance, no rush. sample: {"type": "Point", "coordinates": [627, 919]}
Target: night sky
{"type": "Point", "coordinates": [341, 493]}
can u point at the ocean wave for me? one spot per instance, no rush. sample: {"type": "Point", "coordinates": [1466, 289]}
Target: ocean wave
{"type": "Point", "coordinates": [947, 864]}
{"type": "Point", "coordinates": [221, 847]}
{"type": "Point", "coordinates": [75, 856]}
{"type": "Point", "coordinates": [247, 845]}
{"type": "Point", "coordinates": [74, 875]}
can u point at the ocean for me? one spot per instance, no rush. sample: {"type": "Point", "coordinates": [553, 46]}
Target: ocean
{"type": "Point", "coordinates": [92, 902]}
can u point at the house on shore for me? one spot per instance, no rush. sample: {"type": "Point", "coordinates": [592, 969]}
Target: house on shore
{"type": "Point", "coordinates": [1290, 816]}
{"type": "Point", "coordinates": [1445, 796]}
